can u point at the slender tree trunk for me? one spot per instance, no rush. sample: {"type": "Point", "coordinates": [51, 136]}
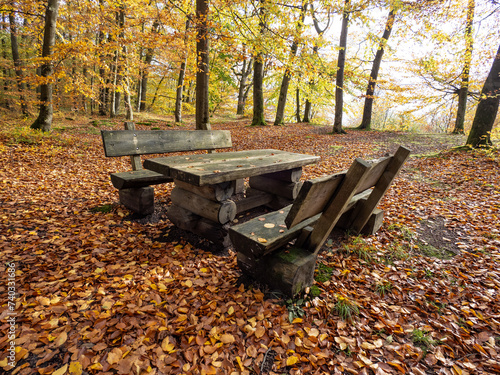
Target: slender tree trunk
{"type": "Point", "coordinates": [307, 111]}
{"type": "Point", "coordinates": [297, 102]}
{"type": "Point", "coordinates": [258, 77]}
{"type": "Point", "coordinates": [157, 91]}
{"type": "Point", "coordinates": [83, 97]}
{"type": "Point", "coordinates": [102, 75]}
{"type": "Point", "coordinates": [244, 87]}
{"type": "Point", "coordinates": [5, 71]}
{"type": "Point", "coordinates": [372, 81]}
{"type": "Point", "coordinates": [44, 120]}
{"type": "Point", "coordinates": [464, 87]}
{"type": "Point", "coordinates": [285, 83]}
{"type": "Point", "coordinates": [202, 75]}
{"type": "Point", "coordinates": [487, 109]}
{"type": "Point", "coordinates": [339, 87]}
{"type": "Point", "coordinates": [21, 85]}
{"type": "Point", "coordinates": [182, 75]}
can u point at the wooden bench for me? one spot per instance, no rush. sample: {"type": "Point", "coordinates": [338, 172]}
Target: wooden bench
{"type": "Point", "coordinates": [347, 200]}
{"type": "Point", "coordinates": [134, 186]}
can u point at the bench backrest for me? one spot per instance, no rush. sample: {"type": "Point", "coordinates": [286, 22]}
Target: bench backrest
{"type": "Point", "coordinates": [331, 195]}
{"type": "Point", "coordinates": [142, 142]}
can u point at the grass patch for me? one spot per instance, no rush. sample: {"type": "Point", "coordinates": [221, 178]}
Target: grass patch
{"type": "Point", "coordinates": [314, 291]}
{"type": "Point", "coordinates": [422, 340]}
{"type": "Point", "coordinates": [323, 273]}
{"type": "Point", "coordinates": [24, 135]}
{"type": "Point", "coordinates": [362, 249]}
{"type": "Point", "coordinates": [346, 309]}
{"type": "Point", "coordinates": [383, 287]}
{"type": "Point", "coordinates": [433, 252]}
{"type": "Point", "coordinates": [106, 208]}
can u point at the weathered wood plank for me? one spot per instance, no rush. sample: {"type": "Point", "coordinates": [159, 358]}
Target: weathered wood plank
{"type": "Point", "coordinates": [290, 175]}
{"type": "Point", "coordinates": [362, 214]}
{"type": "Point", "coordinates": [139, 200]}
{"type": "Point", "coordinates": [284, 189]}
{"type": "Point", "coordinates": [142, 142]}
{"type": "Point", "coordinates": [219, 192]}
{"type": "Point", "coordinates": [377, 168]}
{"type": "Point", "coordinates": [260, 236]}
{"type": "Point", "coordinates": [219, 212]}
{"type": "Point", "coordinates": [137, 179]}
{"type": "Point", "coordinates": [227, 166]}
{"type": "Point", "coordinates": [253, 199]}
{"type": "Point", "coordinates": [313, 197]}
{"type": "Point", "coordinates": [135, 160]}
{"type": "Point", "coordinates": [350, 183]}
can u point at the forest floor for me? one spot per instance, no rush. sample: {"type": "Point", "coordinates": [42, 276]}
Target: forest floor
{"type": "Point", "coordinates": [99, 291]}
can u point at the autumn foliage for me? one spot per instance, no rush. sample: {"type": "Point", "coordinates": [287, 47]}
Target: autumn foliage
{"type": "Point", "coordinates": [102, 292]}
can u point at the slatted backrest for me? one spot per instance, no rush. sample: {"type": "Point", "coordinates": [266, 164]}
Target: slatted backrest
{"type": "Point", "coordinates": [313, 197]}
{"type": "Point", "coordinates": [142, 142]}
{"type": "Point", "coordinates": [331, 195]}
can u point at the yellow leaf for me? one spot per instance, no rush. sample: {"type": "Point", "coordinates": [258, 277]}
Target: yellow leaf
{"type": "Point", "coordinates": [230, 311]}
{"type": "Point", "coordinates": [238, 359]}
{"type": "Point", "coordinates": [290, 361]}
{"type": "Point", "coordinates": [166, 345]}
{"type": "Point", "coordinates": [96, 366]}
{"type": "Point", "coordinates": [269, 225]}
{"type": "Point", "coordinates": [61, 371]}
{"type": "Point", "coordinates": [261, 240]}
{"type": "Point", "coordinates": [75, 368]}
{"type": "Point", "coordinates": [188, 283]}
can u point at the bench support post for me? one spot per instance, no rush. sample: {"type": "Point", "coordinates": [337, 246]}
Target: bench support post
{"type": "Point", "coordinates": [140, 200]}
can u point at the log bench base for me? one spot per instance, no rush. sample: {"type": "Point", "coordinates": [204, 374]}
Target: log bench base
{"type": "Point", "coordinates": [140, 200]}
{"type": "Point", "coordinates": [288, 270]}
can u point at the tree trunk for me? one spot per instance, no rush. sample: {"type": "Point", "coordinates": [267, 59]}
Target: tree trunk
{"type": "Point", "coordinates": [258, 91]}
{"type": "Point", "coordinates": [202, 50]}
{"type": "Point", "coordinates": [372, 81]}
{"type": "Point", "coordinates": [487, 108]}
{"type": "Point", "coordinates": [5, 71]}
{"type": "Point", "coordinates": [258, 78]}
{"type": "Point", "coordinates": [339, 87]}
{"type": "Point", "coordinates": [244, 87]}
{"type": "Point", "coordinates": [182, 75]}
{"type": "Point", "coordinates": [297, 104]}
{"type": "Point", "coordinates": [144, 79]}
{"type": "Point", "coordinates": [464, 87]}
{"type": "Point", "coordinates": [307, 111]}
{"type": "Point", "coordinates": [157, 90]}
{"type": "Point", "coordinates": [280, 110]}
{"type": "Point", "coordinates": [44, 120]}
{"type": "Point", "coordinates": [17, 64]}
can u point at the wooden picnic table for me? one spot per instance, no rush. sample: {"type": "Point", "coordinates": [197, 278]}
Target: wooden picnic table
{"type": "Point", "coordinates": [208, 187]}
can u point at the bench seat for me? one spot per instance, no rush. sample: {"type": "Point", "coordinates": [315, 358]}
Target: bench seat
{"type": "Point", "coordinates": [138, 179]}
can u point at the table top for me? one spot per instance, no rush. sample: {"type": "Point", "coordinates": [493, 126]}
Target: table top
{"type": "Point", "coordinates": [214, 168]}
